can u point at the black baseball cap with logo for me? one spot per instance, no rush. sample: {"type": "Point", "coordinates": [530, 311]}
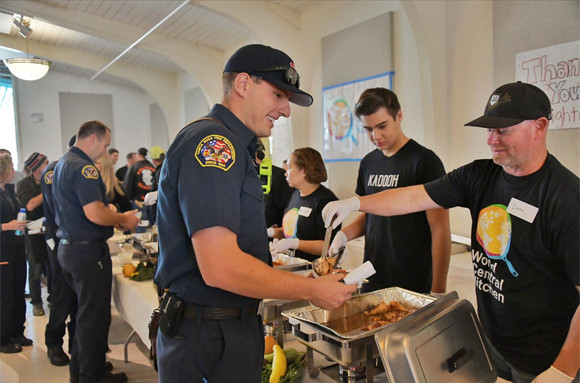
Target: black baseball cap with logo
{"type": "Point", "coordinates": [513, 103]}
{"type": "Point", "coordinates": [272, 65]}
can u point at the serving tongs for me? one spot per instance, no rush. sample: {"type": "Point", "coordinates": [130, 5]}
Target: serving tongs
{"type": "Point", "coordinates": [326, 242]}
{"type": "Point", "coordinates": [316, 264]}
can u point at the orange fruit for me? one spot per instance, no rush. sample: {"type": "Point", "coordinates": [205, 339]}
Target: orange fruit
{"type": "Point", "coordinates": [129, 269]}
{"type": "Point", "coordinates": [269, 342]}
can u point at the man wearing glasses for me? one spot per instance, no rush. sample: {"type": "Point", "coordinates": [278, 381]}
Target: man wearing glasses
{"type": "Point", "coordinates": [214, 258]}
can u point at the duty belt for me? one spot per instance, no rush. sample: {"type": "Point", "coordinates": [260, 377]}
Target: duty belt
{"type": "Point", "coordinates": [67, 242]}
{"type": "Point", "coordinates": [218, 313]}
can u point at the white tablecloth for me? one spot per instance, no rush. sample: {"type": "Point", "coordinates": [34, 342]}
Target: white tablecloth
{"type": "Point", "coordinates": [135, 301]}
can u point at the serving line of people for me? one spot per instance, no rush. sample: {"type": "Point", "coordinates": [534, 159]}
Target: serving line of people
{"type": "Point", "coordinates": [84, 223]}
{"type": "Point", "coordinates": [525, 209]}
{"type": "Point", "coordinates": [215, 262]}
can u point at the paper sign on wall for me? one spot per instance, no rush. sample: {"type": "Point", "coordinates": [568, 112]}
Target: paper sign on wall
{"type": "Point", "coordinates": [555, 70]}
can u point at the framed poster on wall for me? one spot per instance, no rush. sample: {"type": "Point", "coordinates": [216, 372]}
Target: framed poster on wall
{"type": "Point", "coordinates": [344, 138]}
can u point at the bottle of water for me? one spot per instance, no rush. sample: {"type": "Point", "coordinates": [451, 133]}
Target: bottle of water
{"type": "Point", "coordinates": [21, 217]}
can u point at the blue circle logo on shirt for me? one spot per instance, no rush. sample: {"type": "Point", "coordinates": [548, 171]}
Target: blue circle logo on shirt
{"type": "Point", "coordinates": [90, 172]}
{"type": "Point", "coordinates": [215, 151]}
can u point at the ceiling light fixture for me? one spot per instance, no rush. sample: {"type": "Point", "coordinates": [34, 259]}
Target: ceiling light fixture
{"type": "Point", "coordinates": [23, 26]}
{"type": "Point", "coordinates": [26, 68]}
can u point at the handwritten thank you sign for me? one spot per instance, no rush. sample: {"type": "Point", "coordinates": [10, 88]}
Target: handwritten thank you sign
{"type": "Point", "coordinates": [555, 70]}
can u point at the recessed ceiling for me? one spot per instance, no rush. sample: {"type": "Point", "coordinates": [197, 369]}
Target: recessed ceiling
{"type": "Point", "coordinates": [192, 24]}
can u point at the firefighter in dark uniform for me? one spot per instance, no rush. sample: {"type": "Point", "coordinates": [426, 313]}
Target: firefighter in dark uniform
{"type": "Point", "coordinates": [63, 300]}
{"type": "Point", "coordinates": [84, 223]}
{"type": "Point", "coordinates": [214, 256]}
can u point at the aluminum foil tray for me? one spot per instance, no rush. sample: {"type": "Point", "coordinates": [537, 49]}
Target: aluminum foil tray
{"type": "Point", "coordinates": [291, 263]}
{"type": "Point", "coordinates": [331, 321]}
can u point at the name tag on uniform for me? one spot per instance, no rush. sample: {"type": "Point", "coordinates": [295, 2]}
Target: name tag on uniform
{"type": "Point", "coordinates": [304, 211]}
{"type": "Point", "coordinates": [522, 210]}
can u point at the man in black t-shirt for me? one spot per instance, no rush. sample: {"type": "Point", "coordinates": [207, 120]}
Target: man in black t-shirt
{"type": "Point", "coordinates": [525, 245]}
{"type": "Point", "coordinates": [122, 171]}
{"type": "Point", "coordinates": [139, 178]}
{"type": "Point", "coordinates": [410, 251]}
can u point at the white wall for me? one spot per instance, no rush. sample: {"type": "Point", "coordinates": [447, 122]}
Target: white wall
{"type": "Point", "coordinates": [444, 73]}
{"type": "Point", "coordinates": [307, 126]}
{"type": "Point", "coordinates": [469, 74]}
{"type": "Point", "coordinates": [131, 119]}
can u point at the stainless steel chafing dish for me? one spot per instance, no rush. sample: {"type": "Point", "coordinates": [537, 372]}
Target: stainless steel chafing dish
{"type": "Point", "coordinates": [289, 263]}
{"type": "Point", "coordinates": [440, 336]}
{"type": "Point", "coordinates": [355, 346]}
{"type": "Point", "coordinates": [443, 342]}
{"type": "Point", "coordinates": [272, 315]}
{"type": "Point", "coordinates": [272, 308]}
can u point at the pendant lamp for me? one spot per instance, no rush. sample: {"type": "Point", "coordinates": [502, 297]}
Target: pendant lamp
{"type": "Point", "coordinates": [28, 69]}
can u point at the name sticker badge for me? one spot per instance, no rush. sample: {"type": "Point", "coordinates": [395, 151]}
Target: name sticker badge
{"type": "Point", "coordinates": [522, 210]}
{"type": "Point", "coordinates": [304, 211]}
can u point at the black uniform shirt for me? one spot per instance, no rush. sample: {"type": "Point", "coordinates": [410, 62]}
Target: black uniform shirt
{"type": "Point", "coordinates": [76, 183]}
{"type": "Point", "coordinates": [9, 208]}
{"type": "Point", "coordinates": [47, 201]}
{"type": "Point", "coordinates": [139, 180]}
{"type": "Point", "coordinates": [208, 179]}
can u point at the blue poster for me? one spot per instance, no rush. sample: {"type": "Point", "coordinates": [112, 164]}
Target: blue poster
{"type": "Point", "coordinates": [344, 137]}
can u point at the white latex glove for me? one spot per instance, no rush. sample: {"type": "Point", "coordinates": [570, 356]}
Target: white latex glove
{"type": "Point", "coordinates": [341, 209]}
{"type": "Point", "coordinates": [270, 232]}
{"type": "Point", "coordinates": [437, 295]}
{"type": "Point", "coordinates": [283, 245]}
{"type": "Point", "coordinates": [553, 375]}
{"type": "Point", "coordinates": [150, 198]}
{"type": "Point", "coordinates": [338, 242]}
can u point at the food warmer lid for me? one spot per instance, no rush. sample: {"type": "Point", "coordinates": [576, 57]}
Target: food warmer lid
{"type": "Point", "coordinates": [442, 343]}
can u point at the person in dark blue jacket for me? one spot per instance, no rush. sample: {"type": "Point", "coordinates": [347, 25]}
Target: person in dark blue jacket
{"type": "Point", "coordinates": [63, 302]}
{"type": "Point", "coordinates": [214, 256]}
{"type": "Point", "coordinates": [12, 265]}
{"type": "Point", "coordinates": [84, 223]}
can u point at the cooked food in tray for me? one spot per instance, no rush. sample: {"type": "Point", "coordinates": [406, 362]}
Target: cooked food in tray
{"type": "Point", "coordinates": [387, 313]}
{"type": "Point", "coordinates": [286, 262]}
{"type": "Point", "coordinates": [360, 317]}
{"type": "Point", "coordinates": [324, 266]}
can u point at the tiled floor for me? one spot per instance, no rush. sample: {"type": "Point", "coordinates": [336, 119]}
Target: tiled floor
{"type": "Point", "coordinates": [32, 365]}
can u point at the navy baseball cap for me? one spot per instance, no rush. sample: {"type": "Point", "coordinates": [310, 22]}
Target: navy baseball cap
{"type": "Point", "coordinates": [272, 65]}
{"type": "Point", "coordinates": [513, 103]}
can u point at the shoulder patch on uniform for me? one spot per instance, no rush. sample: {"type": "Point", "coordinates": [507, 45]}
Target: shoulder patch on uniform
{"type": "Point", "coordinates": [90, 172]}
{"type": "Point", "coordinates": [216, 151]}
{"type": "Point", "coordinates": [48, 177]}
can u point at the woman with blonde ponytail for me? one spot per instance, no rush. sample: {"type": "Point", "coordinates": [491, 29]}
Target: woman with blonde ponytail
{"type": "Point", "coordinates": [114, 189]}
